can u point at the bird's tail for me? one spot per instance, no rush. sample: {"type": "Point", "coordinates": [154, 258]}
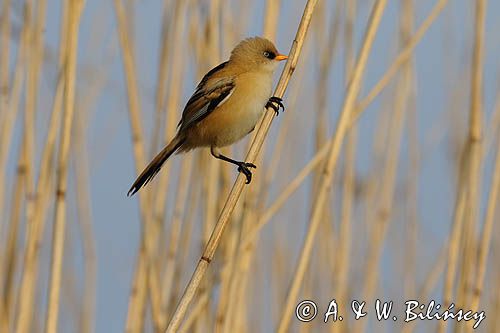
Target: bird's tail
{"type": "Point", "coordinates": [156, 164]}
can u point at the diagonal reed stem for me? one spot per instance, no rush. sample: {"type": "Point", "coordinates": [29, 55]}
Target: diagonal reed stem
{"type": "Point", "coordinates": [235, 193]}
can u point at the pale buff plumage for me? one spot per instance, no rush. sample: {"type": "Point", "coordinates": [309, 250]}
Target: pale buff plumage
{"type": "Point", "coordinates": [236, 117]}
{"type": "Point", "coordinates": [225, 107]}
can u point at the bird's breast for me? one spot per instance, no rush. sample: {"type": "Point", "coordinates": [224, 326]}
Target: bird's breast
{"type": "Point", "coordinates": [256, 90]}
{"type": "Point", "coordinates": [240, 113]}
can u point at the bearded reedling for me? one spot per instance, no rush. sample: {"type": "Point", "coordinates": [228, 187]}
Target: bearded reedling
{"type": "Point", "coordinates": [225, 106]}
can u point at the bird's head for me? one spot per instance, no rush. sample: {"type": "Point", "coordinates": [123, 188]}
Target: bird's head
{"type": "Point", "coordinates": [257, 54]}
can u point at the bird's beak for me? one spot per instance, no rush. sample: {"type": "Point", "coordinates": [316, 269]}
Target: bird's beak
{"type": "Point", "coordinates": [280, 57]}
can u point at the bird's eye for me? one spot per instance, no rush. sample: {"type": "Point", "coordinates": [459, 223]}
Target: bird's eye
{"type": "Point", "coordinates": [269, 55]}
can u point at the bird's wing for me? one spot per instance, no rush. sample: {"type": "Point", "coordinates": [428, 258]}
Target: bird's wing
{"type": "Point", "coordinates": [213, 90]}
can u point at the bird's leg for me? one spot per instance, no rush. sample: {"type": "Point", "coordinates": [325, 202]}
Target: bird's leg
{"type": "Point", "coordinates": [242, 165]}
{"type": "Point", "coordinates": [275, 103]}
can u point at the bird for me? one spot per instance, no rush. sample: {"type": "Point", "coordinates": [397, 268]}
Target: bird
{"type": "Point", "coordinates": [225, 106]}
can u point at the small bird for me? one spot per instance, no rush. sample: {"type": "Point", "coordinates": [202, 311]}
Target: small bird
{"type": "Point", "coordinates": [225, 106]}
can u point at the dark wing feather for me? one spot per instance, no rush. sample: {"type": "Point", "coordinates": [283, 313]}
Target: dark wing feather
{"type": "Point", "coordinates": [210, 92]}
{"type": "Point", "coordinates": [211, 73]}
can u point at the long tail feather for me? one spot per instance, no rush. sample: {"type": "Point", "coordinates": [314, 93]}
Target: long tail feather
{"type": "Point", "coordinates": [155, 165]}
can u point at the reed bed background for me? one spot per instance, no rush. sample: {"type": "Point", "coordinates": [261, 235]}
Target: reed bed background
{"type": "Point", "coordinates": [380, 180]}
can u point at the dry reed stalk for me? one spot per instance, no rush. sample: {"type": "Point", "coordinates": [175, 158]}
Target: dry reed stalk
{"type": "Point", "coordinates": [5, 30]}
{"type": "Point", "coordinates": [12, 103]}
{"type": "Point", "coordinates": [35, 40]}
{"type": "Point", "coordinates": [24, 173]}
{"type": "Point", "coordinates": [26, 162]}
{"type": "Point", "coordinates": [209, 190]}
{"type": "Point", "coordinates": [161, 80]}
{"type": "Point", "coordinates": [493, 126]}
{"type": "Point", "coordinates": [185, 240]}
{"type": "Point", "coordinates": [465, 179]}
{"type": "Point", "coordinates": [412, 202]}
{"type": "Point", "coordinates": [475, 156]}
{"type": "Point", "coordinates": [333, 153]}
{"type": "Point", "coordinates": [453, 247]}
{"type": "Point", "coordinates": [239, 289]}
{"type": "Point", "coordinates": [324, 252]}
{"type": "Point", "coordinates": [35, 235]}
{"type": "Point", "coordinates": [243, 322]}
{"type": "Point", "coordinates": [69, 299]}
{"type": "Point", "coordinates": [221, 316]}
{"type": "Point", "coordinates": [132, 88]}
{"type": "Point", "coordinates": [230, 30]}
{"type": "Point", "coordinates": [185, 181]}
{"type": "Point", "coordinates": [137, 298]}
{"type": "Point", "coordinates": [84, 210]}
{"type": "Point", "coordinates": [27, 293]}
{"type": "Point", "coordinates": [271, 18]}
{"type": "Point", "coordinates": [496, 307]}
{"type": "Point", "coordinates": [238, 186]}
{"type": "Point", "coordinates": [202, 303]}
{"type": "Point", "coordinates": [211, 55]}
{"type": "Point", "coordinates": [326, 43]}
{"type": "Point", "coordinates": [149, 238]}
{"type": "Point", "coordinates": [486, 234]}
{"type": "Point", "coordinates": [213, 24]}
{"type": "Point", "coordinates": [11, 255]}
{"type": "Point", "coordinates": [378, 148]}
{"type": "Point", "coordinates": [279, 258]}
{"type": "Point", "coordinates": [476, 103]}
{"type": "Point", "coordinates": [409, 260]}
{"type": "Point", "coordinates": [75, 8]}
{"type": "Point", "coordinates": [412, 217]}
{"type": "Point", "coordinates": [35, 58]}
{"type": "Point", "coordinates": [321, 116]}
{"type": "Point", "coordinates": [342, 263]}
{"type": "Point", "coordinates": [229, 277]}
{"type": "Point", "coordinates": [172, 105]}
{"type": "Point", "coordinates": [345, 229]}
{"type": "Point", "coordinates": [8, 259]}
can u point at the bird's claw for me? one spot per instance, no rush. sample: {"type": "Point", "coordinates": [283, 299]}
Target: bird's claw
{"type": "Point", "coordinates": [275, 103]}
{"type": "Point", "coordinates": [244, 168]}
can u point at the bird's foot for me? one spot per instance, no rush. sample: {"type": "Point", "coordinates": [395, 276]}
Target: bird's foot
{"type": "Point", "coordinates": [244, 168]}
{"type": "Point", "coordinates": [275, 103]}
